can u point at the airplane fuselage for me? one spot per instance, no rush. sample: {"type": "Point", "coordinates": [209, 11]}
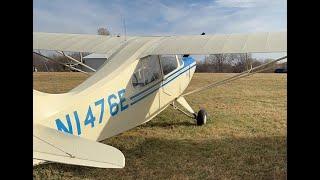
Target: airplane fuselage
{"type": "Point", "coordinates": [112, 105]}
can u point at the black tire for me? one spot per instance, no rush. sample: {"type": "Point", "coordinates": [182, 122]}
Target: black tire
{"type": "Point", "coordinates": [201, 117]}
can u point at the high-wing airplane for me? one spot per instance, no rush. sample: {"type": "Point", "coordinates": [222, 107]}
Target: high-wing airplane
{"type": "Point", "coordinates": [142, 76]}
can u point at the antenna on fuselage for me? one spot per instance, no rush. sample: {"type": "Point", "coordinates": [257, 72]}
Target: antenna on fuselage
{"type": "Point", "coordinates": [124, 28]}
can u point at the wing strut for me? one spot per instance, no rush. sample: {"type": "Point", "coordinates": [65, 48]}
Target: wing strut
{"type": "Point", "coordinates": [238, 76]}
{"type": "Point", "coordinates": [73, 59]}
{"type": "Point", "coordinates": [50, 59]}
{"type": "Point", "coordinates": [182, 101]}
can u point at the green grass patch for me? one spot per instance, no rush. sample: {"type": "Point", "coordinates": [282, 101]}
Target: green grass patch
{"type": "Point", "coordinates": [244, 138]}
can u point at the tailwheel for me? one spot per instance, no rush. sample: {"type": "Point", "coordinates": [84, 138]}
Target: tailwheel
{"type": "Point", "coordinates": [201, 117]}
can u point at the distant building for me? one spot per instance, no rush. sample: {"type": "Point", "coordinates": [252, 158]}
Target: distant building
{"type": "Point", "coordinates": [94, 61]}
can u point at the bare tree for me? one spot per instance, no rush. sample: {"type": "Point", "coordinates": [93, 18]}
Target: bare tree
{"type": "Point", "coordinates": [219, 62]}
{"type": "Point", "coordinates": [103, 31]}
{"type": "Point", "coordinates": [227, 63]}
{"type": "Point", "coordinates": [242, 62]}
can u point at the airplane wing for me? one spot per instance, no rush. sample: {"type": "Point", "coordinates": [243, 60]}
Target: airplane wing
{"type": "Point", "coordinates": [77, 42]}
{"type": "Point", "coordinates": [157, 45]}
{"type": "Point", "coordinates": [55, 146]}
{"type": "Point", "coordinates": [189, 44]}
{"type": "Point", "coordinates": [220, 44]}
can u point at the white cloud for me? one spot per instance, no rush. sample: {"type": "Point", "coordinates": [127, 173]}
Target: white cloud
{"type": "Point", "coordinates": [156, 17]}
{"type": "Point", "coordinates": [237, 3]}
{"type": "Point", "coordinates": [73, 17]}
{"type": "Point", "coordinates": [151, 17]}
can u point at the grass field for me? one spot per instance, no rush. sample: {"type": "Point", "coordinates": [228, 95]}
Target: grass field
{"type": "Point", "coordinates": [244, 138]}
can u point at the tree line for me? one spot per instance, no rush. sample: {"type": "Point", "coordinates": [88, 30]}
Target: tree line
{"type": "Point", "coordinates": [217, 63]}
{"type": "Point", "coordinates": [230, 63]}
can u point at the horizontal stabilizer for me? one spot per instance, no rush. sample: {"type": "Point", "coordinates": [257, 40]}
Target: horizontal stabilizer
{"type": "Point", "coordinates": [52, 145]}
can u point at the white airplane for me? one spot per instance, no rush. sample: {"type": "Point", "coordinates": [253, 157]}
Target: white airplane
{"type": "Point", "coordinates": [142, 76]}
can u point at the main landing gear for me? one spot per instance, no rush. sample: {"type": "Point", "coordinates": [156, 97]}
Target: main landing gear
{"type": "Point", "coordinates": [201, 117]}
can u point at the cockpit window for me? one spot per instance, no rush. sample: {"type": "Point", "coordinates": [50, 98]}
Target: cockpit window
{"type": "Point", "coordinates": [168, 63]}
{"type": "Point", "coordinates": [147, 71]}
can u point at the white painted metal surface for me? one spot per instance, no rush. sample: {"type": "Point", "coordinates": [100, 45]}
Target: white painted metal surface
{"type": "Point", "coordinates": [52, 145]}
{"type": "Point", "coordinates": [192, 44]}
{"type": "Point", "coordinates": [182, 101]}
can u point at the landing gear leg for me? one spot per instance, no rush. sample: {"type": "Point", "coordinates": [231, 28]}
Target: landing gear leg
{"type": "Point", "coordinates": [201, 117]}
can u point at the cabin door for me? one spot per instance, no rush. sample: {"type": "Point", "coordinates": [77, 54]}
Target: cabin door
{"type": "Point", "coordinates": [146, 82]}
{"type": "Point", "coordinates": [171, 83]}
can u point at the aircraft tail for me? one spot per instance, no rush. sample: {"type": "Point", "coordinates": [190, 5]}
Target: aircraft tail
{"type": "Point", "coordinates": [52, 145]}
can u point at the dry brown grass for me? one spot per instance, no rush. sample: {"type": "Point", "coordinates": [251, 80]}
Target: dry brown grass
{"type": "Point", "coordinates": [245, 137]}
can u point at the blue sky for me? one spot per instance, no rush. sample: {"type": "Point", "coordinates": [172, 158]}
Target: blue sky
{"type": "Point", "coordinates": [162, 17]}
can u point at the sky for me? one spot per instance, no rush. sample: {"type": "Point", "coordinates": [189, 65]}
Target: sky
{"type": "Point", "coordinates": [161, 17]}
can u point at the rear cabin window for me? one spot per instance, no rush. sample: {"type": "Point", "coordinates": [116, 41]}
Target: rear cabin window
{"type": "Point", "coordinates": [147, 71]}
{"type": "Point", "coordinates": [169, 63]}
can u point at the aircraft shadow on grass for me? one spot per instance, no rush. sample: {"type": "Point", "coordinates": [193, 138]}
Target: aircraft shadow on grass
{"type": "Point", "coordinates": [228, 157]}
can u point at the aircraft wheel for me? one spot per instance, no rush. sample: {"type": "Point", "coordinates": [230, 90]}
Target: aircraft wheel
{"type": "Point", "coordinates": [201, 117]}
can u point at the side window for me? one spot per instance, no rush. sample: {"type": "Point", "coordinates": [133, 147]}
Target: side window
{"type": "Point", "coordinates": [152, 69]}
{"type": "Point", "coordinates": [147, 71]}
{"type": "Point", "coordinates": [168, 63]}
